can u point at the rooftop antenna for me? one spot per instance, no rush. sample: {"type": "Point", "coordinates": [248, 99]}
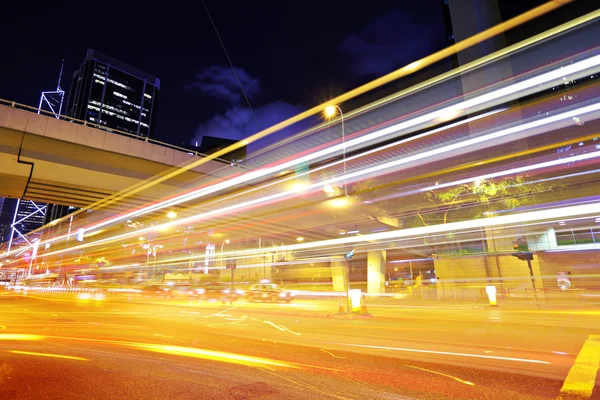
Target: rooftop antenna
{"type": "Point", "coordinates": [53, 99]}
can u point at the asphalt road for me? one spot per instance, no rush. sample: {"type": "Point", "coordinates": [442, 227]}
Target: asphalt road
{"type": "Point", "coordinates": [158, 349]}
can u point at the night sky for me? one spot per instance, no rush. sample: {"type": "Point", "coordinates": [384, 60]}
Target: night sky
{"type": "Point", "coordinates": [290, 55]}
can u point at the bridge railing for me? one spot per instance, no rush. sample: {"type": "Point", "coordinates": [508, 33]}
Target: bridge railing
{"type": "Point", "coordinates": [36, 110]}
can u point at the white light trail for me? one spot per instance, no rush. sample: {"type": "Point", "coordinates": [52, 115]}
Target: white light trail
{"type": "Point", "coordinates": [462, 106]}
{"type": "Point", "coordinates": [395, 163]}
{"type": "Point", "coordinates": [448, 353]}
{"type": "Point", "coordinates": [512, 171]}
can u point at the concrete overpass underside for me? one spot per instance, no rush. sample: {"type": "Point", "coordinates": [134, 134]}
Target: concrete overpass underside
{"type": "Point", "coordinates": [53, 161]}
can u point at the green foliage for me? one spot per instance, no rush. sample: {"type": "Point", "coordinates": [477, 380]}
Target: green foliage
{"type": "Point", "coordinates": [488, 195]}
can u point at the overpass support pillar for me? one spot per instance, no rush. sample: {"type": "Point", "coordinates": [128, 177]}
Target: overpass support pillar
{"type": "Point", "coordinates": [339, 275]}
{"type": "Point", "coordinates": [376, 263]}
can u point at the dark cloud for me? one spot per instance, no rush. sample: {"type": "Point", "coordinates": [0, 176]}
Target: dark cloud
{"type": "Point", "coordinates": [391, 41]}
{"type": "Point", "coordinates": [220, 82]}
{"type": "Point", "coordinates": [238, 122]}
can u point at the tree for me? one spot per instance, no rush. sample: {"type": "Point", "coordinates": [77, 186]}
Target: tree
{"type": "Point", "coordinates": [486, 196]}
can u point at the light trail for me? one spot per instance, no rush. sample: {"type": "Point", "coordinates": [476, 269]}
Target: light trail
{"type": "Point", "coordinates": [468, 383]}
{"type": "Point", "coordinates": [355, 174]}
{"type": "Point", "coordinates": [404, 71]}
{"type": "Point", "coordinates": [517, 219]}
{"type": "Point", "coordinates": [20, 336]}
{"type": "Point", "coordinates": [463, 145]}
{"type": "Point", "coordinates": [211, 355]}
{"type": "Point", "coordinates": [505, 92]}
{"type": "Point", "coordinates": [30, 353]}
{"type": "Point", "coordinates": [534, 13]}
{"type": "Point", "coordinates": [193, 352]}
{"type": "Point", "coordinates": [512, 171]}
{"type": "Point", "coordinates": [448, 353]}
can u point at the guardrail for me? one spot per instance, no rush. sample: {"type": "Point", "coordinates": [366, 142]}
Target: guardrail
{"type": "Point", "coordinates": [36, 110]}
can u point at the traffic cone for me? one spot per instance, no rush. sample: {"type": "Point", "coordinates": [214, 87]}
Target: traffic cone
{"type": "Point", "coordinates": [341, 307]}
{"type": "Point", "coordinates": [363, 306]}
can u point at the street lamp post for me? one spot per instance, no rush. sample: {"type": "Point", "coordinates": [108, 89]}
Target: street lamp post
{"type": "Point", "coordinates": [223, 244]}
{"type": "Point", "coordinates": [330, 112]}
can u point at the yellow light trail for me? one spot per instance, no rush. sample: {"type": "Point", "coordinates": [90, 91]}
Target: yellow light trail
{"type": "Point", "coordinates": [31, 353]}
{"type": "Point", "coordinates": [582, 65]}
{"type": "Point", "coordinates": [404, 71]}
{"type": "Point", "coordinates": [176, 350]}
{"type": "Point", "coordinates": [20, 336]}
{"type": "Point", "coordinates": [443, 112]}
{"type": "Point", "coordinates": [212, 355]}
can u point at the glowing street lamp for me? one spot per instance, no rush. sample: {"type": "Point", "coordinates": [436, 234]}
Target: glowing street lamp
{"type": "Point", "coordinates": [330, 112]}
{"type": "Point", "coordinates": [171, 215]}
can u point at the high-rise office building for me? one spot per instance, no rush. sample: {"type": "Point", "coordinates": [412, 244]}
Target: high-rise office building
{"type": "Point", "coordinates": [6, 212]}
{"type": "Point", "coordinates": [30, 216]}
{"type": "Point", "coordinates": [113, 94]}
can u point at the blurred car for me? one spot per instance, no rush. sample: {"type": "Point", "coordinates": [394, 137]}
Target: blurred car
{"type": "Point", "coordinates": [155, 290]}
{"type": "Point", "coordinates": [268, 292]}
{"type": "Point", "coordinates": [216, 291]}
{"type": "Point", "coordinates": [181, 291]}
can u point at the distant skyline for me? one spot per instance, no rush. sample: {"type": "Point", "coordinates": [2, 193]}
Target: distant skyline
{"type": "Point", "coordinates": [288, 55]}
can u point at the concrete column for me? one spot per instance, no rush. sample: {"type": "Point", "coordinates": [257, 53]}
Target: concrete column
{"type": "Point", "coordinates": [470, 17]}
{"type": "Point", "coordinates": [339, 275]}
{"type": "Point", "coordinates": [376, 263]}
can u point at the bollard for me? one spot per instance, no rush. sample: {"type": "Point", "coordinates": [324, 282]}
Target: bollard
{"type": "Point", "coordinates": [341, 307]}
{"type": "Point", "coordinates": [491, 292]}
{"type": "Point", "coordinates": [363, 306]}
{"type": "Point", "coordinates": [355, 297]}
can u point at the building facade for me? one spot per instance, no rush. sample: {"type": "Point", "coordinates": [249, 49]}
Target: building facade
{"type": "Point", "coordinates": [112, 94]}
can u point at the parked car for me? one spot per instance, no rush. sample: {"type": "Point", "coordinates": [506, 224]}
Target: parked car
{"type": "Point", "coordinates": [268, 292]}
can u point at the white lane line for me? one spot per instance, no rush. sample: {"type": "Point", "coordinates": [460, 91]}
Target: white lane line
{"type": "Point", "coordinates": [449, 353]}
{"type": "Point", "coordinates": [581, 378]}
{"type": "Point", "coordinates": [282, 328]}
{"type": "Point", "coordinates": [220, 313]}
{"type": "Point", "coordinates": [275, 326]}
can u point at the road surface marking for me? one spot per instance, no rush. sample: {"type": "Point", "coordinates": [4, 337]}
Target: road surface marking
{"type": "Point", "coordinates": [581, 379]}
{"type": "Point", "coordinates": [220, 313]}
{"type": "Point", "coordinates": [275, 326]}
{"type": "Point", "coordinates": [331, 354]}
{"type": "Point", "coordinates": [282, 328]}
{"type": "Point", "coordinates": [442, 374]}
{"type": "Point", "coordinates": [165, 336]}
{"type": "Point", "coordinates": [30, 353]}
{"type": "Point", "coordinates": [449, 353]}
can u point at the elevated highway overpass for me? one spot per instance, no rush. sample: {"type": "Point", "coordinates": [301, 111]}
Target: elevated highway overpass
{"type": "Point", "coordinates": [61, 162]}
